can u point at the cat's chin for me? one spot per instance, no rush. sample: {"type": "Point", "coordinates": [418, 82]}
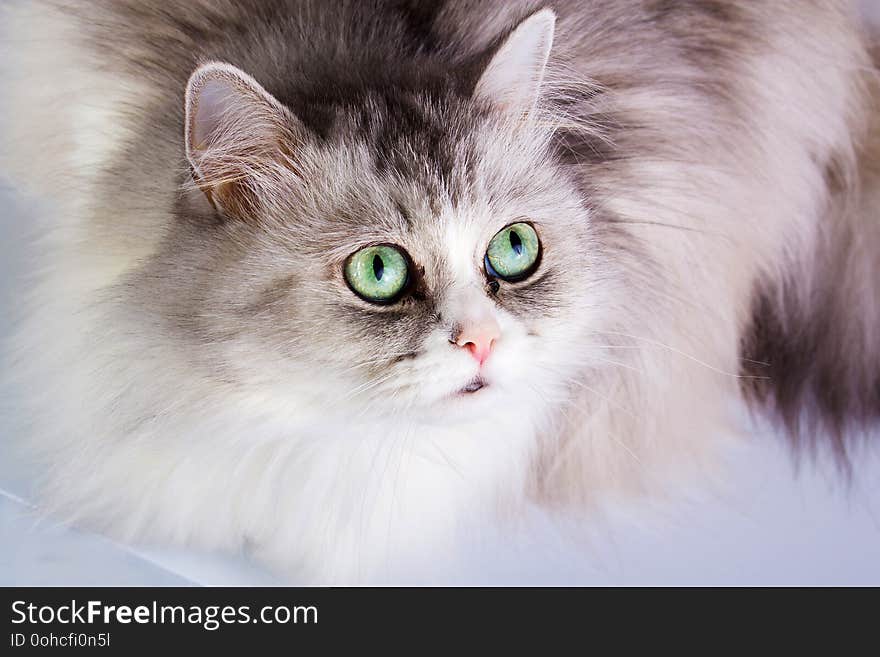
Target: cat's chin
{"type": "Point", "coordinates": [471, 401]}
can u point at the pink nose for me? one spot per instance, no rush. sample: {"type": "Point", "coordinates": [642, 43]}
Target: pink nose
{"type": "Point", "coordinates": [478, 337]}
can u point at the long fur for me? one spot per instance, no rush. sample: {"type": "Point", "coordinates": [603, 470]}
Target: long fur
{"type": "Point", "coordinates": [704, 174]}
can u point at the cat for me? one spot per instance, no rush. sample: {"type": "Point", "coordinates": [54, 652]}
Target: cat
{"type": "Point", "coordinates": [324, 282]}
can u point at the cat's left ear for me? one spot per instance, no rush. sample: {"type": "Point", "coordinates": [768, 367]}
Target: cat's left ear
{"type": "Point", "coordinates": [235, 132]}
{"type": "Point", "coordinates": [512, 80]}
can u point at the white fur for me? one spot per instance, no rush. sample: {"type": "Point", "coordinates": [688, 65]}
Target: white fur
{"type": "Point", "coordinates": [338, 495]}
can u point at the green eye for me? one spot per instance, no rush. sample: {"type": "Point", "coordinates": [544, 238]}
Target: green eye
{"type": "Point", "coordinates": [513, 252]}
{"type": "Point", "coordinates": [377, 273]}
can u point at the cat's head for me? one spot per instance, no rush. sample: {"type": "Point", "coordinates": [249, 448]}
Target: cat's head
{"type": "Point", "coordinates": [422, 252]}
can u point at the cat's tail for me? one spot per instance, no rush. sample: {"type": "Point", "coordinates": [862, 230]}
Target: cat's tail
{"type": "Point", "coordinates": [814, 343]}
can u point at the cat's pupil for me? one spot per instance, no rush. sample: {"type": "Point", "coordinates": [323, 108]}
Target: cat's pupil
{"type": "Point", "coordinates": [378, 267]}
{"type": "Point", "coordinates": [516, 242]}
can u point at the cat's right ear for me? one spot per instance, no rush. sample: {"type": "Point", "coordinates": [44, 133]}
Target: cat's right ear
{"type": "Point", "coordinates": [236, 131]}
{"type": "Point", "coordinates": [513, 78]}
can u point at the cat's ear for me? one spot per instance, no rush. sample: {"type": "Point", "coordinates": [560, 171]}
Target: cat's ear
{"type": "Point", "coordinates": [512, 80]}
{"type": "Point", "coordinates": [235, 132]}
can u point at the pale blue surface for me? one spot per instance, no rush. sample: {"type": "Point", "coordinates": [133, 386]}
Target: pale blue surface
{"type": "Point", "coordinates": [38, 553]}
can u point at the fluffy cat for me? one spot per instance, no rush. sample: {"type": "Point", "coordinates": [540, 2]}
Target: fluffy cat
{"type": "Point", "coordinates": [324, 281]}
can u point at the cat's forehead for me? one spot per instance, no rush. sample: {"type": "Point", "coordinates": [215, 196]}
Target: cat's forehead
{"type": "Point", "coordinates": [436, 177]}
{"type": "Point", "coordinates": [427, 216]}
{"type": "Point", "coordinates": [417, 137]}
{"type": "Point", "coordinates": [438, 230]}
{"type": "Point", "coordinates": [437, 139]}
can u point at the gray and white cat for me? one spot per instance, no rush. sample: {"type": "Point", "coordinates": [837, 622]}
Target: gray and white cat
{"type": "Point", "coordinates": [324, 280]}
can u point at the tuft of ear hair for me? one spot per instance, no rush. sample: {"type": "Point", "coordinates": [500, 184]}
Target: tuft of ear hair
{"type": "Point", "coordinates": [235, 133]}
{"type": "Point", "coordinates": [512, 80]}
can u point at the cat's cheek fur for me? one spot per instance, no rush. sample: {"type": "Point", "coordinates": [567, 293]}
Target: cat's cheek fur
{"type": "Point", "coordinates": [322, 500]}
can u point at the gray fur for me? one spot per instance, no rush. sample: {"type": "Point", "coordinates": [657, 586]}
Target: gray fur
{"type": "Point", "coordinates": [396, 77]}
{"type": "Point", "coordinates": [702, 174]}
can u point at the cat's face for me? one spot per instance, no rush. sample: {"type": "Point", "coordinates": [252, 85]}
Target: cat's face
{"type": "Point", "coordinates": [418, 254]}
{"type": "Point", "coordinates": [289, 308]}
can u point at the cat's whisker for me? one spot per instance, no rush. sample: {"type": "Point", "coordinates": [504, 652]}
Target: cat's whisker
{"type": "Point", "coordinates": [660, 224]}
{"type": "Point", "coordinates": [402, 453]}
{"type": "Point", "coordinates": [375, 361]}
{"type": "Point", "coordinates": [656, 343]}
{"type": "Point", "coordinates": [608, 361]}
{"type": "Point", "coordinates": [604, 398]}
{"type": "Point", "coordinates": [369, 385]}
{"type": "Point", "coordinates": [615, 438]}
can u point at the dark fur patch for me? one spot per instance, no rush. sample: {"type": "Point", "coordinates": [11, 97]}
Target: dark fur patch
{"type": "Point", "coordinates": [819, 383]}
{"type": "Point", "coordinates": [816, 357]}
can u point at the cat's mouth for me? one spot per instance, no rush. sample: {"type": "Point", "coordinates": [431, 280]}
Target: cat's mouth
{"type": "Point", "coordinates": [475, 385]}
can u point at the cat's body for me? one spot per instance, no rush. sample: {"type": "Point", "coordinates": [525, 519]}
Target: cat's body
{"type": "Point", "coordinates": [702, 176]}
